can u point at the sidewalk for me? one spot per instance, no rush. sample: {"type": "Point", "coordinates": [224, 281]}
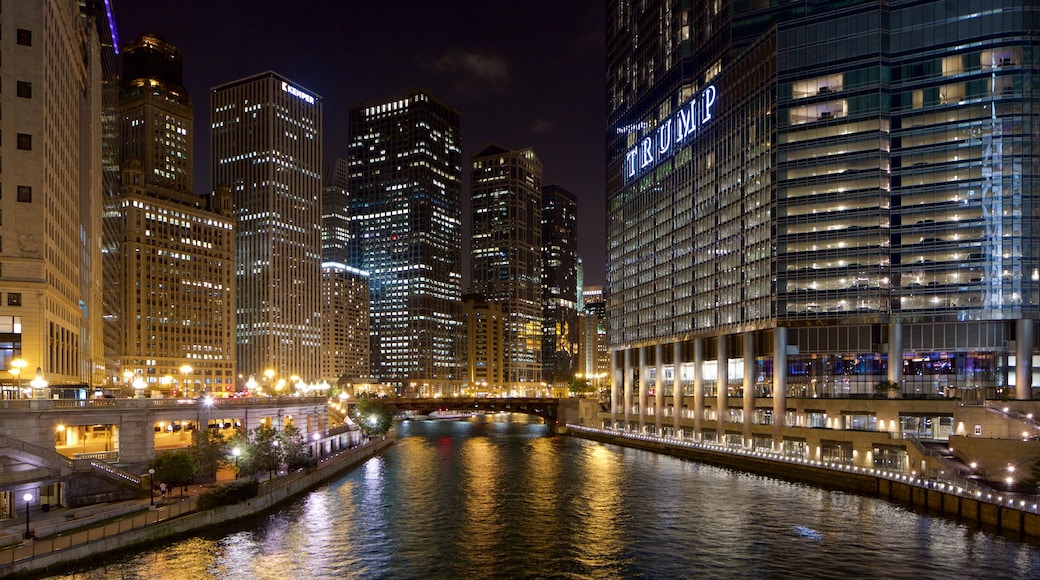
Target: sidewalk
{"type": "Point", "coordinates": [62, 520]}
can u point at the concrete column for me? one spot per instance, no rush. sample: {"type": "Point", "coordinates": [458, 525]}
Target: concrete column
{"type": "Point", "coordinates": [779, 384]}
{"type": "Point", "coordinates": [644, 380]}
{"type": "Point", "coordinates": [895, 355]}
{"type": "Point", "coordinates": [677, 394]}
{"type": "Point", "coordinates": [1023, 360]}
{"type": "Point", "coordinates": [722, 389]}
{"type": "Point", "coordinates": [698, 387]}
{"type": "Point", "coordinates": [615, 389]}
{"type": "Point", "coordinates": [658, 387]}
{"type": "Point", "coordinates": [626, 361]}
{"type": "Point", "coordinates": [749, 386]}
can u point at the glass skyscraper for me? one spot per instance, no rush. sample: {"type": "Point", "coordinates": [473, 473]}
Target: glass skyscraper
{"type": "Point", "coordinates": [507, 256]}
{"type": "Point", "coordinates": [266, 147]}
{"type": "Point", "coordinates": [405, 188]}
{"type": "Point", "coordinates": [807, 199]}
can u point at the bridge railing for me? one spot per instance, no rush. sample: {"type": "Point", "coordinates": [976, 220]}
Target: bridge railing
{"type": "Point", "coordinates": [37, 450]}
{"type": "Point", "coordinates": [48, 404]}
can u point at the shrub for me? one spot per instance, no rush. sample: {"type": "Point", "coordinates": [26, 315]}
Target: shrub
{"type": "Point", "coordinates": [229, 494]}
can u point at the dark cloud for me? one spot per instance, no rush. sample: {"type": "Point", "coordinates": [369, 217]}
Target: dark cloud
{"type": "Point", "coordinates": [472, 70]}
{"type": "Point", "coordinates": [542, 127]}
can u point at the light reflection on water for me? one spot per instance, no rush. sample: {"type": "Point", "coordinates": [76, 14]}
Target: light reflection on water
{"type": "Point", "coordinates": [495, 498]}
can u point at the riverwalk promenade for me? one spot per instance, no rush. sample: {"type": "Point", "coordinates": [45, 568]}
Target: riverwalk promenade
{"type": "Point", "coordinates": [66, 535]}
{"type": "Point", "coordinates": [1008, 513]}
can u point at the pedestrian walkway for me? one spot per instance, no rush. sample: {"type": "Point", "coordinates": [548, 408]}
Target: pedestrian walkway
{"type": "Point", "coordinates": [58, 521]}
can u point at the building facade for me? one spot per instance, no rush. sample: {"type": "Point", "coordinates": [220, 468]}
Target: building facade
{"type": "Point", "coordinates": [560, 288]}
{"type": "Point", "coordinates": [809, 200]}
{"type": "Point", "coordinates": [405, 189]}
{"type": "Point", "coordinates": [593, 361]}
{"type": "Point", "coordinates": [344, 324]}
{"type": "Point", "coordinates": [50, 249]}
{"type": "Point", "coordinates": [266, 147]}
{"type": "Point", "coordinates": [177, 289]}
{"type": "Point", "coordinates": [506, 255]}
{"type": "Point", "coordinates": [483, 328]}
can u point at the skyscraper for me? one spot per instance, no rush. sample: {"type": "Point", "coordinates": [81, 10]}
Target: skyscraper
{"type": "Point", "coordinates": [266, 147]}
{"type": "Point", "coordinates": [345, 324]}
{"type": "Point", "coordinates": [335, 213]}
{"type": "Point", "coordinates": [100, 11]}
{"type": "Point", "coordinates": [813, 199]}
{"type": "Point", "coordinates": [176, 249]}
{"type": "Point", "coordinates": [157, 115]}
{"type": "Point", "coordinates": [507, 255]}
{"type": "Point", "coordinates": [405, 215]}
{"type": "Point", "coordinates": [50, 283]}
{"type": "Point", "coordinates": [560, 289]}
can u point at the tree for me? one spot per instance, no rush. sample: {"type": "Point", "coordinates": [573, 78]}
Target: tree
{"type": "Point", "coordinates": [209, 451]}
{"type": "Point", "coordinates": [265, 452]}
{"type": "Point", "coordinates": [293, 447]}
{"type": "Point", "coordinates": [580, 386]}
{"type": "Point", "coordinates": [176, 467]}
{"type": "Point", "coordinates": [373, 415]}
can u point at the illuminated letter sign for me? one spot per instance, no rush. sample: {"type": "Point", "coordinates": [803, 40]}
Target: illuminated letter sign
{"type": "Point", "coordinates": [297, 93]}
{"type": "Point", "coordinates": [670, 135]}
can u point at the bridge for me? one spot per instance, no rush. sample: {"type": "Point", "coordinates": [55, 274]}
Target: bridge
{"type": "Point", "coordinates": [546, 408]}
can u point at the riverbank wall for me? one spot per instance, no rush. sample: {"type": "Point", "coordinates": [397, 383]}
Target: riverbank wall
{"type": "Point", "coordinates": [1006, 514]}
{"type": "Point", "coordinates": [177, 518]}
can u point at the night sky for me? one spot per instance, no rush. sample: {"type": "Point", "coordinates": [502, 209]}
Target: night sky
{"type": "Point", "coordinates": [522, 74]}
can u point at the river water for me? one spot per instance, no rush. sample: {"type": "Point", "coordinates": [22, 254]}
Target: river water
{"type": "Point", "coordinates": [498, 497]}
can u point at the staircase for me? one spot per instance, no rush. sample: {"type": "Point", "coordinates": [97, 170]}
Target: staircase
{"type": "Point", "coordinates": [65, 466]}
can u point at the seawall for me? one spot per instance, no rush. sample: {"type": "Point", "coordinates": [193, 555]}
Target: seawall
{"type": "Point", "coordinates": [176, 519]}
{"type": "Point", "coordinates": [1013, 516]}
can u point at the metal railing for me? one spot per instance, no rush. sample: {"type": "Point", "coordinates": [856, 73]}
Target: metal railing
{"type": "Point", "coordinates": [1002, 410]}
{"type": "Point", "coordinates": [40, 451]}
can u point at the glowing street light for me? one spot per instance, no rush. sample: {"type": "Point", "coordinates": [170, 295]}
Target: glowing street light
{"type": "Point", "coordinates": [139, 386]}
{"type": "Point", "coordinates": [28, 501]}
{"type": "Point", "coordinates": [251, 385]}
{"type": "Point", "coordinates": [236, 452]}
{"type": "Point", "coordinates": [38, 384]}
{"type": "Point", "coordinates": [16, 369]}
{"type": "Point", "coordinates": [186, 370]}
{"type": "Point", "coordinates": [151, 486]}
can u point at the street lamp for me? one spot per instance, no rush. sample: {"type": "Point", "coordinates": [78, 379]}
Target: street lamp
{"type": "Point", "coordinates": [151, 486]}
{"type": "Point", "coordinates": [38, 384]}
{"type": "Point", "coordinates": [139, 386]}
{"type": "Point", "coordinates": [236, 452]}
{"type": "Point", "coordinates": [251, 385]}
{"type": "Point", "coordinates": [16, 369]}
{"type": "Point", "coordinates": [186, 370]}
{"type": "Point", "coordinates": [28, 500]}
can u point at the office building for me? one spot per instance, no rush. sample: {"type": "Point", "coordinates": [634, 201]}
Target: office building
{"type": "Point", "coordinates": [593, 360]}
{"type": "Point", "coordinates": [560, 289]}
{"type": "Point", "coordinates": [405, 189]}
{"type": "Point", "coordinates": [50, 250]}
{"type": "Point", "coordinates": [344, 324]}
{"type": "Point", "coordinates": [506, 258]}
{"type": "Point", "coordinates": [177, 290]}
{"type": "Point", "coordinates": [808, 200]}
{"type": "Point", "coordinates": [483, 329]}
{"type": "Point", "coordinates": [100, 12]}
{"type": "Point", "coordinates": [335, 213]}
{"type": "Point", "coordinates": [266, 147]}
{"type": "Point", "coordinates": [175, 249]}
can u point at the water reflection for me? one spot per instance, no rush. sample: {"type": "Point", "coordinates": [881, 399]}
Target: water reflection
{"type": "Point", "coordinates": [491, 498]}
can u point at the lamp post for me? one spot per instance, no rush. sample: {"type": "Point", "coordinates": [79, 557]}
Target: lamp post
{"type": "Point", "coordinates": [151, 486]}
{"type": "Point", "coordinates": [139, 385]}
{"type": "Point", "coordinates": [251, 385]}
{"type": "Point", "coordinates": [16, 369]}
{"type": "Point", "coordinates": [38, 384]}
{"type": "Point", "coordinates": [186, 370]}
{"type": "Point", "coordinates": [236, 452]}
{"type": "Point", "coordinates": [28, 500]}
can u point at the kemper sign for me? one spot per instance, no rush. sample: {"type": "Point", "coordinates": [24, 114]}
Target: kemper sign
{"type": "Point", "coordinates": [297, 92]}
{"type": "Point", "coordinates": [664, 140]}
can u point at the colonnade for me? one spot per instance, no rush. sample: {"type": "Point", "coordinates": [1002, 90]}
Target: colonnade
{"type": "Point", "coordinates": [628, 365]}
